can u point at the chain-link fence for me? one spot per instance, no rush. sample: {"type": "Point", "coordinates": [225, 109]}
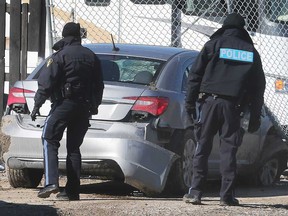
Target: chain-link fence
{"type": "Point", "coordinates": [188, 24]}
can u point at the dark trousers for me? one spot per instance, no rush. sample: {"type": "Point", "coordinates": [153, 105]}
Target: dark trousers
{"type": "Point", "coordinates": [217, 115]}
{"type": "Point", "coordinates": [75, 117]}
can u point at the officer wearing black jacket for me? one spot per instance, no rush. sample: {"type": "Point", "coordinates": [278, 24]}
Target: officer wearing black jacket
{"type": "Point", "coordinates": [72, 79]}
{"type": "Point", "coordinates": [227, 70]}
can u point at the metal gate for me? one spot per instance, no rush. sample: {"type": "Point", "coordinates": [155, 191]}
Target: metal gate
{"type": "Point", "coordinates": [188, 24]}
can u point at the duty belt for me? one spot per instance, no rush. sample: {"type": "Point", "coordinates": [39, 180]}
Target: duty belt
{"type": "Point", "coordinates": [215, 96]}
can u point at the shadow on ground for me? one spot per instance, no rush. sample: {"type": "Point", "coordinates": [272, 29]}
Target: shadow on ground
{"type": "Point", "coordinates": [243, 190]}
{"type": "Point", "coordinates": [263, 206]}
{"type": "Point", "coordinates": [114, 188]}
{"type": "Point", "coordinates": [108, 188]}
{"type": "Point", "coordinates": [26, 209]}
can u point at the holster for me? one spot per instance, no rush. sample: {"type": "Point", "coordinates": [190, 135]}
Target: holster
{"type": "Point", "coordinates": [67, 91]}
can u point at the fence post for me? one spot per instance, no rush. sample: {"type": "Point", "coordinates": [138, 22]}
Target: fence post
{"type": "Point", "coordinates": [2, 54]}
{"type": "Point", "coordinates": [15, 41]}
{"type": "Point", "coordinates": [175, 25]}
{"type": "Point", "coordinates": [24, 41]}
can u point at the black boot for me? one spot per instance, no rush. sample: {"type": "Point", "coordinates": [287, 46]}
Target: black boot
{"type": "Point", "coordinates": [67, 197]}
{"type": "Point", "coordinates": [229, 202]}
{"type": "Point", "coordinates": [47, 190]}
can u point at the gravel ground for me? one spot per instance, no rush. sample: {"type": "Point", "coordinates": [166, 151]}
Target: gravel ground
{"type": "Point", "coordinates": [102, 198]}
{"type": "Point", "coordinates": [111, 198]}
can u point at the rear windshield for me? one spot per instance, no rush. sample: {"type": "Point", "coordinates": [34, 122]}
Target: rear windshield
{"type": "Point", "coordinates": [129, 69]}
{"type": "Point", "coordinates": [122, 69]}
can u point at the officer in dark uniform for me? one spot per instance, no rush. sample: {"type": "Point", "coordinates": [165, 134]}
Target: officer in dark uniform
{"type": "Point", "coordinates": [227, 70]}
{"type": "Point", "coordinates": [72, 78]}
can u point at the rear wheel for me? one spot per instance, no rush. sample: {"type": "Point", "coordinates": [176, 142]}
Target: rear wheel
{"type": "Point", "coordinates": [180, 177]}
{"type": "Point", "coordinates": [271, 166]}
{"type": "Point", "coordinates": [268, 173]}
{"type": "Point", "coordinates": [270, 170]}
{"type": "Point", "coordinates": [26, 178]}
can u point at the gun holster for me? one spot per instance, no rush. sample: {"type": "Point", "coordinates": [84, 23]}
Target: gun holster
{"type": "Point", "coordinates": [67, 91]}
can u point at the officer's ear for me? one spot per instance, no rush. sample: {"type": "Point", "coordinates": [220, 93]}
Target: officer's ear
{"type": "Point", "coordinates": [83, 32]}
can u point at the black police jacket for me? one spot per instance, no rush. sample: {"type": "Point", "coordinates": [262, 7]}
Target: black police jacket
{"type": "Point", "coordinates": [228, 65]}
{"type": "Point", "coordinates": [73, 64]}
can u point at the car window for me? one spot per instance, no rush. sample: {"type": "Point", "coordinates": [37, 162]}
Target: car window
{"type": "Point", "coordinates": [187, 67]}
{"type": "Point", "coordinates": [121, 69]}
{"type": "Point", "coordinates": [185, 77]}
{"type": "Point", "coordinates": [129, 69]}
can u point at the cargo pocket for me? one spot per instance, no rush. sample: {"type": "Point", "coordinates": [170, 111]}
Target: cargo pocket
{"type": "Point", "coordinates": [53, 128]}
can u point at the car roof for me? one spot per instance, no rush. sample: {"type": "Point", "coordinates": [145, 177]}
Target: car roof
{"type": "Point", "coordinates": [137, 50]}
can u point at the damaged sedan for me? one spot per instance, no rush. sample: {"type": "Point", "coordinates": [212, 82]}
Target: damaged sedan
{"type": "Point", "coordinates": [141, 134]}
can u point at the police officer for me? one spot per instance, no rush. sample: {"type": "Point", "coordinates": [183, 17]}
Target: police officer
{"type": "Point", "coordinates": [72, 78]}
{"type": "Point", "coordinates": [227, 70]}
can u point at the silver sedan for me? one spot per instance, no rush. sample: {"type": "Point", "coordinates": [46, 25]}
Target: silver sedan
{"type": "Point", "coordinates": [142, 134]}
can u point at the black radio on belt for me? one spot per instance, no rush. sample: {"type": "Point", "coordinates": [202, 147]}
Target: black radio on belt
{"type": "Point", "coordinates": [67, 91]}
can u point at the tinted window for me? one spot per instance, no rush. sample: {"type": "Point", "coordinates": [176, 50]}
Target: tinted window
{"type": "Point", "coordinates": [276, 10]}
{"type": "Point", "coordinates": [97, 2]}
{"type": "Point", "coordinates": [205, 7]}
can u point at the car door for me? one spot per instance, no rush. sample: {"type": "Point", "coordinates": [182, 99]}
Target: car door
{"type": "Point", "coordinates": [248, 151]}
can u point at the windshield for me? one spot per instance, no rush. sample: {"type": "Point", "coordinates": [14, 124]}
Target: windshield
{"type": "Point", "coordinates": [129, 69]}
{"type": "Point", "coordinates": [122, 69]}
{"type": "Point", "coordinates": [276, 11]}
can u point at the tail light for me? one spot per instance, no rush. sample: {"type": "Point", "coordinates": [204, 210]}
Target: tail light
{"type": "Point", "coordinates": [16, 99]}
{"type": "Point", "coordinates": [153, 105]}
{"type": "Point", "coordinates": [17, 96]}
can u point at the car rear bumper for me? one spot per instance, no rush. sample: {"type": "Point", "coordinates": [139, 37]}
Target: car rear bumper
{"type": "Point", "coordinates": [122, 146]}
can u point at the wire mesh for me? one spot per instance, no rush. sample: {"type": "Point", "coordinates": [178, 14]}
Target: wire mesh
{"type": "Point", "coordinates": [188, 24]}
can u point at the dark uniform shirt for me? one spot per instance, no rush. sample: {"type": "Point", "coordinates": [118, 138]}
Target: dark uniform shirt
{"type": "Point", "coordinates": [228, 65]}
{"type": "Point", "coordinates": [73, 64]}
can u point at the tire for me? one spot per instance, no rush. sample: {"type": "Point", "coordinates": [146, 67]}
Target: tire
{"type": "Point", "coordinates": [269, 172]}
{"type": "Point", "coordinates": [26, 178]}
{"type": "Point", "coordinates": [183, 143]}
{"type": "Point", "coordinates": [271, 166]}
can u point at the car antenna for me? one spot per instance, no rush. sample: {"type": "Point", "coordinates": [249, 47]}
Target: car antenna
{"type": "Point", "coordinates": [114, 47]}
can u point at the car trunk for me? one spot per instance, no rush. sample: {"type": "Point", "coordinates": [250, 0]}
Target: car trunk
{"type": "Point", "coordinates": [114, 106]}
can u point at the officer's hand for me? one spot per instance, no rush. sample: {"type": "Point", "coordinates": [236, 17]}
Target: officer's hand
{"type": "Point", "coordinates": [34, 113]}
{"type": "Point", "coordinates": [254, 125]}
{"type": "Point", "coordinates": [192, 113]}
{"type": "Point", "coordinates": [94, 111]}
